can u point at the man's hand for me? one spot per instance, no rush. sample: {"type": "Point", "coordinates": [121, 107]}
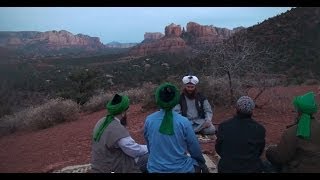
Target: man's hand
{"type": "Point", "coordinates": [206, 124]}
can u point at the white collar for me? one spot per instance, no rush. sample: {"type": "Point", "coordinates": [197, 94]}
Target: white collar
{"type": "Point", "coordinates": [116, 119]}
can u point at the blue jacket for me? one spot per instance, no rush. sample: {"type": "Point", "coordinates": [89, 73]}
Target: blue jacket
{"type": "Point", "coordinates": [168, 154]}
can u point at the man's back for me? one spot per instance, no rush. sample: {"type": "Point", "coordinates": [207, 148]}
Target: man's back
{"type": "Point", "coordinates": [105, 156]}
{"type": "Point", "coordinates": [240, 143]}
{"type": "Point", "coordinates": [168, 152]}
{"type": "Point", "coordinates": [296, 154]}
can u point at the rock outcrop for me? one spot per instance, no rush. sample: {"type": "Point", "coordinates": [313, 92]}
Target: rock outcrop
{"type": "Point", "coordinates": [203, 35]}
{"type": "Point", "coordinates": [49, 39]}
{"type": "Point", "coordinates": [177, 39]}
{"type": "Point", "coordinates": [173, 30]}
{"type": "Point", "coordinates": [167, 45]}
{"type": "Point", "coordinates": [171, 42]}
{"type": "Point", "coordinates": [153, 36]}
{"type": "Point", "coordinates": [198, 30]}
{"type": "Point", "coordinates": [33, 44]}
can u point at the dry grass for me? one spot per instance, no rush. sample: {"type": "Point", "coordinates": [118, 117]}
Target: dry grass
{"type": "Point", "coordinates": [141, 94]}
{"type": "Point", "coordinates": [53, 112]}
{"type": "Point", "coordinates": [217, 90]}
{"type": "Point", "coordinates": [97, 102]}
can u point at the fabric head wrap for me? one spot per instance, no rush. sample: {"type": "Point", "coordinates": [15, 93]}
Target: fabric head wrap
{"type": "Point", "coordinates": [190, 80]}
{"type": "Point", "coordinates": [245, 105]}
{"type": "Point", "coordinates": [117, 105]}
{"type": "Point", "coordinates": [306, 105]}
{"type": "Point", "coordinates": [167, 96]}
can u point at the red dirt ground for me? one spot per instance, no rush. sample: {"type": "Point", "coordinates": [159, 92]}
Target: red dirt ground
{"type": "Point", "coordinates": [70, 143]}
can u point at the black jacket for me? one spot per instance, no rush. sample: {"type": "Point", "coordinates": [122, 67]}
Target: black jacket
{"type": "Point", "coordinates": [240, 143]}
{"type": "Point", "coordinates": [199, 99]}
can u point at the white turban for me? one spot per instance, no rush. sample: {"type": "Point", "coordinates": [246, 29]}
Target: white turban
{"type": "Point", "coordinates": [190, 79]}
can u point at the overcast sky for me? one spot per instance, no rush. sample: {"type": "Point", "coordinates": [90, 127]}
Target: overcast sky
{"type": "Point", "coordinates": [127, 24]}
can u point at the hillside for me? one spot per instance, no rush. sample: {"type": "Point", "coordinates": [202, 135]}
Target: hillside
{"type": "Point", "coordinates": [294, 37]}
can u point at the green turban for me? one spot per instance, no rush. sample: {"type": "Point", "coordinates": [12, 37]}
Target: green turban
{"type": "Point", "coordinates": [167, 97]}
{"type": "Point", "coordinates": [306, 105]}
{"type": "Point", "coordinates": [117, 105]}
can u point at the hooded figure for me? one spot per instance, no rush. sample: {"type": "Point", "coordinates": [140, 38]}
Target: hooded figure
{"type": "Point", "coordinates": [195, 107]}
{"type": "Point", "coordinates": [170, 137]}
{"type": "Point", "coordinates": [113, 149]}
{"type": "Point", "coordinates": [299, 148]}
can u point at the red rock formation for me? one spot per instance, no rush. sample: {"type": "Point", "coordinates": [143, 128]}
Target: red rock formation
{"type": "Point", "coordinates": [55, 39]}
{"type": "Point", "coordinates": [208, 34]}
{"type": "Point", "coordinates": [65, 38]}
{"type": "Point", "coordinates": [168, 45]}
{"type": "Point", "coordinates": [14, 41]}
{"type": "Point", "coordinates": [200, 31]}
{"type": "Point", "coordinates": [173, 30]}
{"type": "Point", "coordinates": [172, 42]}
{"type": "Point", "coordinates": [153, 36]}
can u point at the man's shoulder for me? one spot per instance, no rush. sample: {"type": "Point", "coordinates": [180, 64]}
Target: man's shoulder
{"type": "Point", "coordinates": [259, 125]}
{"type": "Point", "coordinates": [99, 122]}
{"type": "Point", "coordinates": [178, 117]}
{"type": "Point", "coordinates": [153, 115]}
{"type": "Point", "coordinates": [227, 122]}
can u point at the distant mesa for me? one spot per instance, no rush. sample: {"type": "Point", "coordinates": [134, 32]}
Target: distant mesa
{"type": "Point", "coordinates": [115, 44]}
{"type": "Point", "coordinates": [53, 39]}
{"type": "Point", "coordinates": [34, 44]}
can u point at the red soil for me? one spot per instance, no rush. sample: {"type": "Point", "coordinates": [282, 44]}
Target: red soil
{"type": "Point", "coordinates": [70, 143]}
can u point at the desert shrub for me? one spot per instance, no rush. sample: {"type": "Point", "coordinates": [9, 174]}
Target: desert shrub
{"type": "Point", "coordinates": [53, 112]}
{"type": "Point", "coordinates": [311, 82]}
{"type": "Point", "coordinates": [81, 85]}
{"type": "Point", "coordinates": [141, 94]}
{"type": "Point", "coordinates": [217, 90]}
{"type": "Point", "coordinates": [97, 102]}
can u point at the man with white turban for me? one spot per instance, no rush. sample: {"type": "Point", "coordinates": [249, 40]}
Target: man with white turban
{"type": "Point", "coordinates": [195, 107]}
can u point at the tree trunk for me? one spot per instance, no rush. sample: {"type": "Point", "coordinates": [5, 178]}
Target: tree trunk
{"type": "Point", "coordinates": [230, 88]}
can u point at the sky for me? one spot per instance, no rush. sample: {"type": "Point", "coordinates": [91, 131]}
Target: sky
{"type": "Point", "coordinates": [128, 24]}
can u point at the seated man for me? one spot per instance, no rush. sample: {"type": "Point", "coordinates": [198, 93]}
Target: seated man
{"type": "Point", "coordinates": [299, 147]}
{"type": "Point", "coordinates": [170, 137]}
{"type": "Point", "coordinates": [113, 149]}
{"type": "Point", "coordinates": [241, 141]}
{"type": "Point", "coordinates": [195, 107]}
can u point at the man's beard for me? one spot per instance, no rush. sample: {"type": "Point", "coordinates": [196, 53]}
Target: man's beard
{"type": "Point", "coordinates": [189, 95]}
{"type": "Point", "coordinates": [123, 120]}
